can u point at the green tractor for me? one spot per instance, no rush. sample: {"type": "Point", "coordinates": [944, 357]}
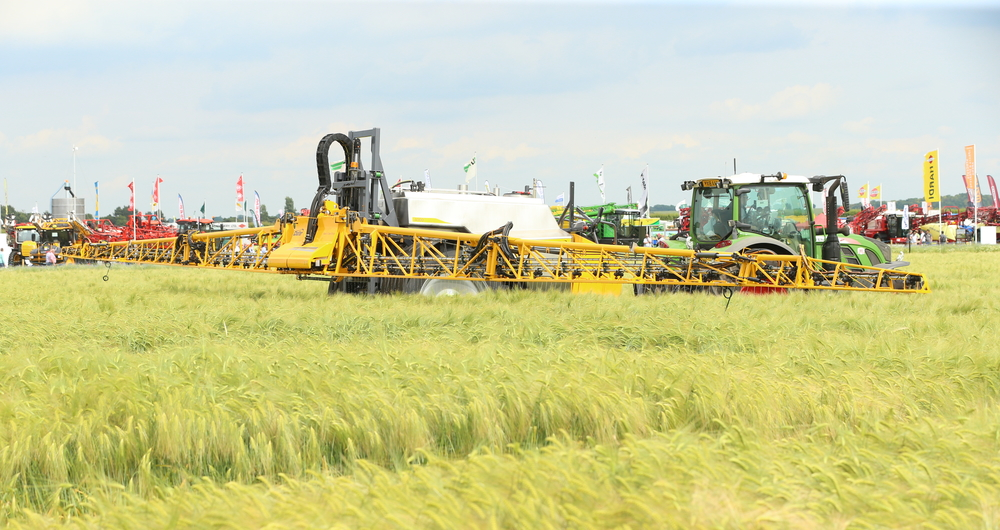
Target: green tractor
{"type": "Point", "coordinates": [607, 224]}
{"type": "Point", "coordinates": [773, 214]}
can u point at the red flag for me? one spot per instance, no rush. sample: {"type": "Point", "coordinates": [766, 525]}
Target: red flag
{"type": "Point", "coordinates": [993, 190]}
{"type": "Point", "coordinates": [239, 193]}
{"type": "Point", "coordinates": [131, 198]}
{"type": "Point", "coordinates": [156, 192]}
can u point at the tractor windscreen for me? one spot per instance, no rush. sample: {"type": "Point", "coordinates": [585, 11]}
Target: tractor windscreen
{"type": "Point", "coordinates": [27, 235]}
{"type": "Point", "coordinates": [710, 214]}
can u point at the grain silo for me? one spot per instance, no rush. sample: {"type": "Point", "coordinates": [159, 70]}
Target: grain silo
{"type": "Point", "coordinates": [63, 207]}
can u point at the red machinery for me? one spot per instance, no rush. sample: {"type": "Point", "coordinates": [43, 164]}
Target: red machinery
{"type": "Point", "coordinates": [684, 221]}
{"type": "Point", "coordinates": [139, 226]}
{"type": "Point", "coordinates": [877, 224]}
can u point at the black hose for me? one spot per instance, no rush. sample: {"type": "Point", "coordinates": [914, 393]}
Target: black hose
{"type": "Point", "coordinates": [325, 180]}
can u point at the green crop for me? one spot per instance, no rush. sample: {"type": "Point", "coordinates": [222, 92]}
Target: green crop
{"type": "Point", "coordinates": [182, 398]}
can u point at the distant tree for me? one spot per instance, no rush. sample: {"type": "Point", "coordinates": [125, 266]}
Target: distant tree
{"type": "Point", "coordinates": [289, 205]}
{"type": "Point", "coordinates": [663, 208]}
{"type": "Point", "coordinates": [120, 216]}
{"type": "Point", "coordinates": [19, 217]}
{"type": "Point", "coordinates": [960, 201]}
{"type": "Point", "coordinates": [265, 219]}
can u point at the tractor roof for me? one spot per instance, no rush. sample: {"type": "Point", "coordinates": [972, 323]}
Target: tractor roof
{"type": "Point", "coordinates": [745, 179]}
{"type": "Point", "coordinates": [755, 178]}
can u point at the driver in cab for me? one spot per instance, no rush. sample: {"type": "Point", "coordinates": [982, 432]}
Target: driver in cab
{"type": "Point", "coordinates": [714, 222]}
{"type": "Point", "coordinates": [757, 216]}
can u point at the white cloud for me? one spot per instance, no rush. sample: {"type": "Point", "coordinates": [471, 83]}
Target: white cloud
{"type": "Point", "coordinates": [638, 146]}
{"type": "Point", "coordinates": [487, 147]}
{"type": "Point", "coordinates": [910, 146]}
{"type": "Point", "coordinates": [799, 137]}
{"type": "Point", "coordinates": [863, 126]}
{"type": "Point", "coordinates": [797, 101]}
{"type": "Point", "coordinates": [412, 142]}
{"type": "Point", "coordinates": [83, 137]}
{"type": "Point", "coordinates": [736, 109]}
{"type": "Point", "coordinates": [50, 22]}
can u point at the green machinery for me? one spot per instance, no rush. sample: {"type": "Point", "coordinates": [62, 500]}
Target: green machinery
{"type": "Point", "coordinates": [773, 214]}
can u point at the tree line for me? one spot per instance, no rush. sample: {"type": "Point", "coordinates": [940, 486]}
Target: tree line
{"type": "Point", "coordinates": [121, 214]}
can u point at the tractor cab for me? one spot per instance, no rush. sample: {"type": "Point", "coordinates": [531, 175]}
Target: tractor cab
{"type": "Point", "coordinates": [617, 226]}
{"type": "Point", "coordinates": [777, 210]}
{"type": "Point", "coordinates": [773, 214]}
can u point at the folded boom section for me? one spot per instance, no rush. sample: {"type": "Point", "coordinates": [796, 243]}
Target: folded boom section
{"type": "Point", "coordinates": [347, 247]}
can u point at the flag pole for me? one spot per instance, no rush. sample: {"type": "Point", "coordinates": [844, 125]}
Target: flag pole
{"type": "Point", "coordinates": [975, 200]}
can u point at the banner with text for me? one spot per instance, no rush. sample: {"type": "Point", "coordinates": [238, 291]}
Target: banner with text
{"type": "Point", "coordinates": [932, 191]}
{"type": "Point", "coordinates": [971, 182]}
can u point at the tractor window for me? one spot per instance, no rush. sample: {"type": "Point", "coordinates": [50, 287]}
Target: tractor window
{"type": "Point", "coordinates": [26, 235]}
{"type": "Point", "coordinates": [64, 237]}
{"type": "Point", "coordinates": [711, 213]}
{"type": "Point", "coordinates": [775, 210]}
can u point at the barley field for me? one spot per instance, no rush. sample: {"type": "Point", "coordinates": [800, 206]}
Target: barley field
{"type": "Point", "coordinates": [174, 398]}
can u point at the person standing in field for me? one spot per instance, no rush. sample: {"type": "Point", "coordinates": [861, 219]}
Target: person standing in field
{"type": "Point", "coordinates": [50, 257]}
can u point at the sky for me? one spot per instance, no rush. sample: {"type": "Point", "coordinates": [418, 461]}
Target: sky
{"type": "Point", "coordinates": [201, 92]}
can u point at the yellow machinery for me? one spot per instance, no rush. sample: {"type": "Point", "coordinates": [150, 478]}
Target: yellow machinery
{"type": "Point", "coordinates": [353, 244]}
{"type": "Point", "coordinates": [349, 248]}
{"type": "Point", "coordinates": [31, 241]}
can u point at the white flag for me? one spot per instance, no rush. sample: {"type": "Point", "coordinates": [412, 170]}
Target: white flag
{"type": "Point", "coordinates": [560, 199]}
{"type": "Point", "coordinates": [600, 182]}
{"type": "Point", "coordinates": [470, 169]}
{"type": "Point", "coordinates": [644, 198]}
{"type": "Point", "coordinates": [256, 207]}
{"type": "Point", "coordinates": [487, 185]}
{"type": "Point", "coordinates": [427, 179]}
{"type": "Point", "coordinates": [539, 190]}
{"type": "Point", "coordinates": [906, 218]}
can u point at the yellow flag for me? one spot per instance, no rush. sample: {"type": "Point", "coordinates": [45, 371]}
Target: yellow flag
{"type": "Point", "coordinates": [875, 193]}
{"type": "Point", "coordinates": [932, 191]}
{"type": "Point", "coordinates": [863, 192]}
